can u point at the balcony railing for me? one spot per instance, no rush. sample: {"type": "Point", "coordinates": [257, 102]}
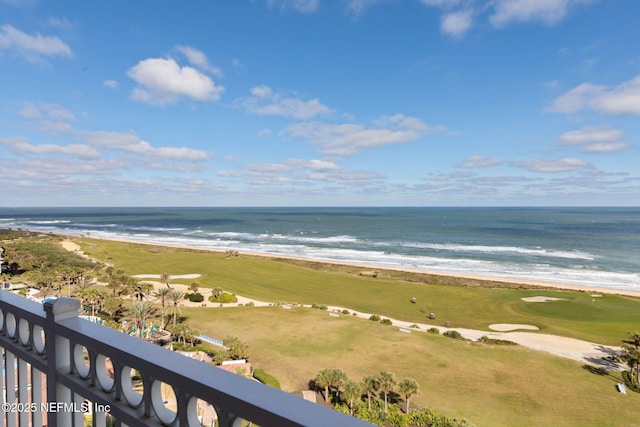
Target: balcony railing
{"type": "Point", "coordinates": [58, 367]}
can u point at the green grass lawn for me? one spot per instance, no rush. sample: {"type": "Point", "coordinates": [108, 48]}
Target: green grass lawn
{"type": "Point", "coordinates": [604, 320]}
{"type": "Point", "coordinates": [488, 385]}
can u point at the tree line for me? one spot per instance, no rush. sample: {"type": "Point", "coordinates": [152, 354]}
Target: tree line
{"type": "Point", "coordinates": [377, 399]}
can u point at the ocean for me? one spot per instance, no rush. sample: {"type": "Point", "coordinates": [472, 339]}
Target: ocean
{"type": "Point", "coordinates": [597, 247]}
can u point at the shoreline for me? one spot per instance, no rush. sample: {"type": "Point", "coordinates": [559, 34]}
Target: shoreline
{"type": "Point", "coordinates": [481, 278]}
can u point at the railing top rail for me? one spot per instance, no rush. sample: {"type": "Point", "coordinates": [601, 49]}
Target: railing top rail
{"type": "Point", "coordinates": [24, 308]}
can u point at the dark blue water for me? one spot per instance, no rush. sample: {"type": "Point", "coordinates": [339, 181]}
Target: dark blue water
{"type": "Point", "coordinates": [585, 246]}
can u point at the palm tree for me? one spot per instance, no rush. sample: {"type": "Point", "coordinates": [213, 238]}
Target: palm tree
{"type": "Point", "coordinates": [408, 387]}
{"type": "Point", "coordinates": [162, 293]}
{"type": "Point", "coordinates": [337, 378]}
{"type": "Point", "coordinates": [352, 391]}
{"type": "Point", "coordinates": [91, 298]}
{"type": "Point", "coordinates": [631, 355]}
{"type": "Point", "coordinates": [141, 311]}
{"type": "Point", "coordinates": [323, 380]}
{"type": "Point", "coordinates": [370, 384]}
{"type": "Point", "coordinates": [141, 290]}
{"type": "Point", "coordinates": [166, 279]}
{"type": "Point", "coordinates": [175, 296]}
{"type": "Point", "coordinates": [387, 383]}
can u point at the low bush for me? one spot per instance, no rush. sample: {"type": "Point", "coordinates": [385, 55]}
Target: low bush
{"type": "Point", "coordinates": [486, 340]}
{"type": "Point", "coordinates": [195, 297]}
{"type": "Point", "coordinates": [266, 378]}
{"type": "Point", "coordinates": [386, 322]}
{"type": "Point", "coordinates": [225, 298]}
{"type": "Point", "coordinates": [345, 311]}
{"type": "Point", "coordinates": [433, 331]}
{"type": "Point", "coordinates": [374, 317]}
{"type": "Point", "coordinates": [453, 334]}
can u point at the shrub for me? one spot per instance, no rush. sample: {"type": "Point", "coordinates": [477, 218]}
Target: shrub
{"type": "Point", "coordinates": [414, 326]}
{"type": "Point", "coordinates": [453, 334]}
{"type": "Point", "coordinates": [433, 331]}
{"type": "Point", "coordinates": [486, 340]}
{"type": "Point", "coordinates": [250, 304]}
{"type": "Point", "coordinates": [225, 298]}
{"type": "Point", "coordinates": [195, 297]}
{"type": "Point", "coordinates": [375, 318]}
{"type": "Point", "coordinates": [345, 311]}
{"type": "Point", "coordinates": [386, 322]}
{"type": "Point", "coordinates": [628, 379]}
{"type": "Point", "coordinates": [266, 378]}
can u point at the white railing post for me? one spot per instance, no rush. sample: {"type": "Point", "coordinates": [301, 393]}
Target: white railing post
{"type": "Point", "coordinates": [58, 356]}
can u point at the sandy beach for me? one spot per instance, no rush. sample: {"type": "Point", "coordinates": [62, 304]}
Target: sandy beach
{"type": "Point", "coordinates": [515, 281]}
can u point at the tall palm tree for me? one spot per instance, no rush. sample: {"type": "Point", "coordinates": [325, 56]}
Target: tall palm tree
{"type": "Point", "coordinates": [370, 385]}
{"type": "Point", "coordinates": [166, 279]}
{"type": "Point", "coordinates": [141, 290]}
{"type": "Point", "coordinates": [387, 382]}
{"type": "Point", "coordinates": [352, 391]}
{"type": "Point", "coordinates": [175, 296]}
{"type": "Point", "coordinates": [162, 293]}
{"type": "Point", "coordinates": [408, 387]}
{"type": "Point", "coordinates": [323, 380]}
{"type": "Point", "coordinates": [141, 311]}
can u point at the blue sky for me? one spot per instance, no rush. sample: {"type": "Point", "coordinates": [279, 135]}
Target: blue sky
{"type": "Point", "coordinates": [318, 102]}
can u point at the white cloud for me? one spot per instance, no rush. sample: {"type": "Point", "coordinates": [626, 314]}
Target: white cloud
{"type": "Point", "coordinates": [480, 162]}
{"type": "Point", "coordinates": [265, 102]}
{"type": "Point", "coordinates": [51, 118]}
{"type": "Point", "coordinates": [442, 3]}
{"type": "Point", "coordinates": [163, 81]}
{"type": "Point", "coordinates": [111, 84]}
{"type": "Point", "coordinates": [302, 6]}
{"type": "Point", "coordinates": [621, 99]}
{"type": "Point", "coordinates": [606, 147]}
{"type": "Point", "coordinates": [31, 47]}
{"type": "Point", "coordinates": [552, 166]}
{"type": "Point", "coordinates": [456, 24]}
{"type": "Point", "coordinates": [595, 139]}
{"type": "Point", "coordinates": [356, 7]}
{"type": "Point", "coordinates": [74, 150]}
{"type": "Point", "coordinates": [590, 134]}
{"type": "Point", "coordinates": [349, 139]}
{"type": "Point", "coordinates": [199, 60]}
{"type": "Point", "coordinates": [43, 110]}
{"type": "Point", "coordinates": [130, 142]}
{"type": "Point", "coordinates": [314, 164]}
{"type": "Point", "coordinates": [547, 11]}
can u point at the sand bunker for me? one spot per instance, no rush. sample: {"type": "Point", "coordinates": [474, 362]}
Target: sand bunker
{"type": "Point", "coordinates": [157, 276]}
{"type": "Point", "coordinates": [506, 327]}
{"type": "Point", "coordinates": [541, 299]}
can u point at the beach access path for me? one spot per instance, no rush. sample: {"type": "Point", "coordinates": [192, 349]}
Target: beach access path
{"type": "Point", "coordinates": [571, 348]}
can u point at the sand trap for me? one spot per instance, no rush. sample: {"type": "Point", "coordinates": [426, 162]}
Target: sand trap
{"type": "Point", "coordinates": [157, 276]}
{"type": "Point", "coordinates": [542, 299]}
{"type": "Point", "coordinates": [506, 327]}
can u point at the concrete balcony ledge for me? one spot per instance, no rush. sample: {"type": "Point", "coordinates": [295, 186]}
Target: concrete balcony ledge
{"type": "Point", "coordinates": [52, 355]}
